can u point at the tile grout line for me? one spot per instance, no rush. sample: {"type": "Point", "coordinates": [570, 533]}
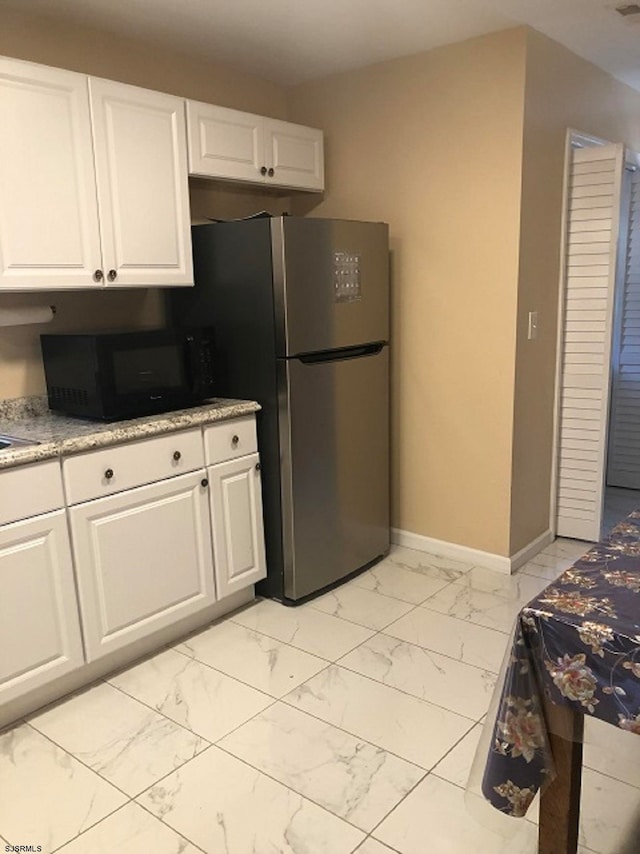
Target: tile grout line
{"type": "Point", "coordinates": [217, 744]}
{"type": "Point", "coordinates": [130, 798]}
{"type": "Point", "coordinates": [93, 772]}
{"type": "Point", "coordinates": [275, 700]}
{"type": "Point", "coordinates": [291, 789]}
{"type": "Point", "coordinates": [130, 697]}
{"type": "Point", "coordinates": [221, 673]}
{"type": "Point", "coordinates": [407, 693]}
{"type": "Point", "coordinates": [336, 663]}
{"type": "Point", "coordinates": [369, 836]}
{"type": "Point", "coordinates": [431, 772]}
{"type": "Point", "coordinates": [165, 823]}
{"type": "Point", "coordinates": [326, 661]}
{"type": "Point", "coordinates": [384, 633]}
{"type": "Point", "coordinates": [209, 743]}
{"type": "Point", "coordinates": [141, 806]}
{"type": "Point", "coordinates": [302, 649]}
{"type": "Point", "coordinates": [101, 776]}
{"type": "Point", "coordinates": [283, 700]}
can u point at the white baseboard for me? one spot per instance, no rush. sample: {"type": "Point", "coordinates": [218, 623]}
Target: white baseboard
{"type": "Point", "coordinates": [477, 557]}
{"type": "Point", "coordinates": [531, 550]}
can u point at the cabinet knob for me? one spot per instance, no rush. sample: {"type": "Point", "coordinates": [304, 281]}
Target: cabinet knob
{"type": "Point", "coordinates": [112, 275]}
{"type": "Point", "coordinates": [177, 455]}
{"type": "Point", "coordinates": [263, 170]}
{"type": "Point", "coordinates": [271, 172]}
{"type": "Point", "coordinates": [235, 440]}
{"type": "Point", "coordinates": [258, 466]}
{"type": "Point", "coordinates": [98, 276]}
{"type": "Point", "coordinates": [204, 482]}
{"type": "Point", "coordinates": [108, 474]}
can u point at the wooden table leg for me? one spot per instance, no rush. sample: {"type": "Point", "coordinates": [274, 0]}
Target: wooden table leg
{"type": "Point", "coordinates": [560, 803]}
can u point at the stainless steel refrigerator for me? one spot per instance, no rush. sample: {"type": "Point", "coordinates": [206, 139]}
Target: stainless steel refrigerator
{"type": "Point", "coordinates": [300, 309]}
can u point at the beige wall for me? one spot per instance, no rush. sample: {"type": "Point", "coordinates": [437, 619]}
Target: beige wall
{"type": "Point", "coordinates": [461, 151]}
{"type": "Point", "coordinates": [432, 144]}
{"type": "Point", "coordinates": [98, 53]}
{"type": "Point", "coordinates": [562, 91]}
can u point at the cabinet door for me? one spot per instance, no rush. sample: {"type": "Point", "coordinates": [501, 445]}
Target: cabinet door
{"type": "Point", "coordinates": [296, 155]}
{"type": "Point", "coordinates": [225, 143]}
{"type": "Point", "coordinates": [39, 625]}
{"type": "Point", "coordinates": [49, 234]}
{"type": "Point", "coordinates": [238, 534]}
{"type": "Point", "coordinates": [143, 560]}
{"type": "Point", "coordinates": [141, 168]}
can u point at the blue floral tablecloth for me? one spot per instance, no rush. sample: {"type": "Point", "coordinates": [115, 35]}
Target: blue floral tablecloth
{"type": "Point", "coordinates": [578, 644]}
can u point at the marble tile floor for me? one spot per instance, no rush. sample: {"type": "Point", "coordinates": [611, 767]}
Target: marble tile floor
{"type": "Point", "coordinates": [345, 725]}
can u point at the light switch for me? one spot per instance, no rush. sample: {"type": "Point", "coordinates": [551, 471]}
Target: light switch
{"type": "Point", "coordinates": [533, 325]}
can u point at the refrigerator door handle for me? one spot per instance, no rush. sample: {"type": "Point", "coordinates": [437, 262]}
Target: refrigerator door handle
{"type": "Point", "coordinates": [342, 353]}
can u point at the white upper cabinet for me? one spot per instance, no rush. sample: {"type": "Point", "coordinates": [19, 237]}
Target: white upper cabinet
{"type": "Point", "coordinates": [93, 183]}
{"type": "Point", "coordinates": [294, 155]}
{"type": "Point", "coordinates": [141, 173]}
{"type": "Point", "coordinates": [49, 233]}
{"type": "Point", "coordinates": [240, 146]}
{"type": "Point", "coordinates": [224, 143]}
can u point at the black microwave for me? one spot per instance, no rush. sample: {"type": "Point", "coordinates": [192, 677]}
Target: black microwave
{"type": "Point", "coordinates": [113, 375]}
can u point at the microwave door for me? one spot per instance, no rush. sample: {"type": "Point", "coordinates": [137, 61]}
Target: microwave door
{"type": "Point", "coordinates": [144, 375]}
{"type": "Point", "coordinates": [149, 368]}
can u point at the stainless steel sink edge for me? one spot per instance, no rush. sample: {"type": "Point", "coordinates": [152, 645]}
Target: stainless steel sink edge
{"type": "Point", "coordinates": [9, 442]}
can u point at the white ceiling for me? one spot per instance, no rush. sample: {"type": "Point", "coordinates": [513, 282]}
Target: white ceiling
{"type": "Point", "coordinates": [289, 41]}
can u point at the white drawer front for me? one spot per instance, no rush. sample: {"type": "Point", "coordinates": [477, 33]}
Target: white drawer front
{"type": "Point", "coordinates": [230, 439]}
{"type": "Point", "coordinates": [110, 470]}
{"type": "Point", "coordinates": [29, 490]}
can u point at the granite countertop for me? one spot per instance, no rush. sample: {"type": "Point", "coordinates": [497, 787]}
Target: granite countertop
{"type": "Point", "coordinates": [29, 418]}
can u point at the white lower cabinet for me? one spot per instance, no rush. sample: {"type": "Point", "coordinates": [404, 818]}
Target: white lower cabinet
{"type": "Point", "coordinates": [39, 626]}
{"type": "Point", "coordinates": [115, 567]}
{"type": "Point", "coordinates": [236, 512]}
{"type": "Point", "coordinates": [143, 560]}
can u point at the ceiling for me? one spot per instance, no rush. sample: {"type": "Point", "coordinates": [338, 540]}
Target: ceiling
{"type": "Point", "coordinates": [289, 41]}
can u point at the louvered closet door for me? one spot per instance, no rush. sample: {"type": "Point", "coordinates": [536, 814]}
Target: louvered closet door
{"type": "Point", "coordinates": [593, 222]}
{"type": "Point", "coordinates": [624, 429]}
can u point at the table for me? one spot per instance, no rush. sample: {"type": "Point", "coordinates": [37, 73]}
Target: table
{"type": "Point", "coordinates": [575, 652]}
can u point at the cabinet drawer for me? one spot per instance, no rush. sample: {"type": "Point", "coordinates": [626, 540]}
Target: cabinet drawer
{"type": "Point", "coordinates": [30, 490]}
{"type": "Point", "coordinates": [230, 439]}
{"type": "Point", "coordinates": [113, 469]}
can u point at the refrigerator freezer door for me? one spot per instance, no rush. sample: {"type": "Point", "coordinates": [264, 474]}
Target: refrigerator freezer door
{"type": "Point", "coordinates": [331, 283]}
{"type": "Point", "coordinates": [334, 423]}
